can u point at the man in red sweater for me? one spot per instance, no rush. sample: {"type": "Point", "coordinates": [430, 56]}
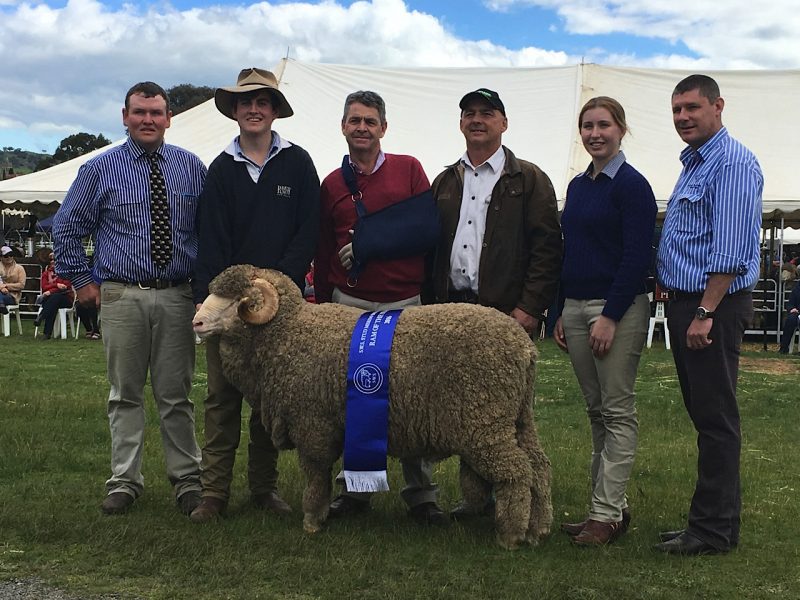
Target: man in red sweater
{"type": "Point", "coordinates": [383, 180]}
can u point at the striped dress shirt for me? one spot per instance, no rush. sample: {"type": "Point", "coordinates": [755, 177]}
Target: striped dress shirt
{"type": "Point", "coordinates": [713, 221]}
{"type": "Point", "coordinates": [110, 197]}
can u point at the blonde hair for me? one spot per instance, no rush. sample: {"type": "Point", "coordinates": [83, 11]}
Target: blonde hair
{"type": "Point", "coordinates": [611, 105]}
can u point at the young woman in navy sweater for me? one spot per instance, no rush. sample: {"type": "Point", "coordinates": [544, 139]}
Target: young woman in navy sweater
{"type": "Point", "coordinates": [608, 224]}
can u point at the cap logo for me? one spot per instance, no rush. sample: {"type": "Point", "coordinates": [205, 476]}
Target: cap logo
{"type": "Point", "coordinates": [485, 94]}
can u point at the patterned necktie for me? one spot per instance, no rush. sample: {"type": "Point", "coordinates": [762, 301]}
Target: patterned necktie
{"type": "Point", "coordinates": [160, 230]}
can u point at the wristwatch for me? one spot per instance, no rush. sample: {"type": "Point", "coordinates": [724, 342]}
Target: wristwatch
{"type": "Point", "coordinates": [701, 314]}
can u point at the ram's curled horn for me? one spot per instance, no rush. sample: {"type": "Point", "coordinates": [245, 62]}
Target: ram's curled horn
{"type": "Point", "coordinates": [260, 303]}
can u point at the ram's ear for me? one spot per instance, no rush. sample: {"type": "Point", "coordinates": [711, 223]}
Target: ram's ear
{"type": "Point", "coordinates": [260, 303]}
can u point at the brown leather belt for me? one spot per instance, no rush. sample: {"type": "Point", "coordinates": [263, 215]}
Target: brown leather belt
{"type": "Point", "coordinates": [153, 284]}
{"type": "Point", "coordinates": [679, 295]}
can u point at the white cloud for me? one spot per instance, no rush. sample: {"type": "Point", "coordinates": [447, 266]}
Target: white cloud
{"type": "Point", "coordinates": [72, 64]}
{"type": "Point", "coordinates": [732, 35]}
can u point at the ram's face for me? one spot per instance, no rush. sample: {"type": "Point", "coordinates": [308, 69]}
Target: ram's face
{"type": "Point", "coordinates": [216, 315]}
{"type": "Point", "coordinates": [219, 314]}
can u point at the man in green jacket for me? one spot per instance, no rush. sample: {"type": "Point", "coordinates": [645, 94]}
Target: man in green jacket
{"type": "Point", "coordinates": [500, 241]}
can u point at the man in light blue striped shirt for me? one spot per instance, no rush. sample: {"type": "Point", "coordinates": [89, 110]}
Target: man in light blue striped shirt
{"type": "Point", "coordinates": [709, 258]}
{"type": "Point", "coordinates": [147, 307]}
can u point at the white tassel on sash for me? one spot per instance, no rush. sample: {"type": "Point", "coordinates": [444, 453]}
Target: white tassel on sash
{"type": "Point", "coordinates": [366, 481]}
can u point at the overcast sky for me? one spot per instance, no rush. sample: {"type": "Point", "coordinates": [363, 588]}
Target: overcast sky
{"type": "Point", "coordinates": [65, 66]}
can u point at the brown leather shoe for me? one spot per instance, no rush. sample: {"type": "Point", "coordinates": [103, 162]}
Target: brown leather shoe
{"type": "Point", "coordinates": [666, 536]}
{"type": "Point", "coordinates": [188, 501]}
{"type": "Point", "coordinates": [573, 529]}
{"type": "Point", "coordinates": [597, 533]}
{"type": "Point", "coordinates": [273, 502]}
{"type": "Point", "coordinates": [429, 513]}
{"type": "Point", "coordinates": [345, 506]}
{"type": "Point", "coordinates": [117, 503]}
{"type": "Point", "coordinates": [210, 508]}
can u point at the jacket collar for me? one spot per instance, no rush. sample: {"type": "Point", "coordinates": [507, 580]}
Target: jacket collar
{"type": "Point", "coordinates": [512, 166]}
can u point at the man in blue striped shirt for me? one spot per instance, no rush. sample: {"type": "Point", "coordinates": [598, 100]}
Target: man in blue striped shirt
{"type": "Point", "coordinates": [147, 307]}
{"type": "Point", "coordinates": [709, 258]}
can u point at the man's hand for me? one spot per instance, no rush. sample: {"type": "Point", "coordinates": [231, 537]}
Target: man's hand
{"type": "Point", "coordinates": [346, 256]}
{"type": "Point", "coordinates": [697, 334]}
{"type": "Point", "coordinates": [89, 295]}
{"type": "Point", "coordinates": [601, 335]}
{"type": "Point", "coordinates": [558, 334]}
{"type": "Point", "coordinates": [61, 286]}
{"type": "Point", "coordinates": [529, 323]}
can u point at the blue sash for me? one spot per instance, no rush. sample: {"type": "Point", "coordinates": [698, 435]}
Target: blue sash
{"type": "Point", "coordinates": [367, 410]}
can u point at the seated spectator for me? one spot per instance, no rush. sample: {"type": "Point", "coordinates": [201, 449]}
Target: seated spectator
{"type": "Point", "coordinates": [308, 290]}
{"type": "Point", "coordinates": [788, 272]}
{"type": "Point", "coordinates": [89, 319]}
{"type": "Point", "coordinates": [790, 324]}
{"type": "Point", "coordinates": [56, 293]}
{"type": "Point", "coordinates": [12, 279]}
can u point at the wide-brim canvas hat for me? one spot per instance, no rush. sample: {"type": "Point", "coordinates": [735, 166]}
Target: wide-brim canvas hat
{"type": "Point", "coordinates": [251, 80]}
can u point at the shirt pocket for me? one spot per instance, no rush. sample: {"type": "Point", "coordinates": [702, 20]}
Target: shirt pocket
{"type": "Point", "coordinates": [184, 207]}
{"type": "Point", "coordinates": [690, 211]}
{"type": "Point", "coordinates": [129, 210]}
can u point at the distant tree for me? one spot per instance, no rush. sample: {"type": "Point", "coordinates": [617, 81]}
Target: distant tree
{"type": "Point", "coordinates": [79, 144]}
{"type": "Point", "coordinates": [45, 163]}
{"type": "Point", "coordinates": [184, 96]}
{"type": "Point", "coordinates": [73, 146]}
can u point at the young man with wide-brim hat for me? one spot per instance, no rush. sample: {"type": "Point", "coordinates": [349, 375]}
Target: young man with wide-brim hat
{"type": "Point", "coordinates": [260, 206]}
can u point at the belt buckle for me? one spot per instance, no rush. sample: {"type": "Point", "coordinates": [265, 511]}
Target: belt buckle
{"type": "Point", "coordinates": [142, 287]}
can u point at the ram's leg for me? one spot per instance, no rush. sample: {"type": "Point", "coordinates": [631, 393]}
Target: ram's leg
{"type": "Point", "coordinates": [475, 490]}
{"type": "Point", "coordinates": [508, 468]}
{"type": "Point", "coordinates": [317, 495]}
{"type": "Point", "coordinates": [541, 515]}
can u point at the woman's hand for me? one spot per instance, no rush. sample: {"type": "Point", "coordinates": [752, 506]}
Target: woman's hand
{"type": "Point", "coordinates": [601, 336]}
{"type": "Point", "coordinates": [558, 334]}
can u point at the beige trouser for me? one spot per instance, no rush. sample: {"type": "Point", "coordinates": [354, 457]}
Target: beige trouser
{"type": "Point", "coordinates": [607, 384]}
{"type": "Point", "coordinates": [150, 330]}
{"type": "Point", "coordinates": [416, 472]}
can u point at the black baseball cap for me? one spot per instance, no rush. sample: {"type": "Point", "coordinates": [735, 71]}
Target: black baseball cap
{"type": "Point", "coordinates": [482, 93]}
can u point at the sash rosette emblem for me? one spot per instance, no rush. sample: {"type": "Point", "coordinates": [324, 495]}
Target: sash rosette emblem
{"type": "Point", "coordinates": [368, 378]}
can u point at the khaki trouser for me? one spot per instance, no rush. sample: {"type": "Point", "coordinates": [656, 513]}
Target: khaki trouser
{"type": "Point", "coordinates": [150, 329]}
{"type": "Point", "coordinates": [223, 427]}
{"type": "Point", "coordinates": [607, 384]}
{"type": "Point", "coordinates": [416, 472]}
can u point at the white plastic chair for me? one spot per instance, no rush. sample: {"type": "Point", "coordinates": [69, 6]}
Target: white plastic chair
{"type": "Point", "coordinates": [13, 309]}
{"type": "Point", "coordinates": [660, 317]}
{"type": "Point", "coordinates": [60, 326]}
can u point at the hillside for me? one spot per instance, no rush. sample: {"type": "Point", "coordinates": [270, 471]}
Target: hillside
{"type": "Point", "coordinates": [22, 161]}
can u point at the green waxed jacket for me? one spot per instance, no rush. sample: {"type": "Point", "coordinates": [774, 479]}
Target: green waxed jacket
{"type": "Point", "coordinates": [520, 260]}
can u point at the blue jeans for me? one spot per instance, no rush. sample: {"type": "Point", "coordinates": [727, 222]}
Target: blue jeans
{"type": "Point", "coordinates": [789, 325]}
{"type": "Point", "coordinates": [50, 306]}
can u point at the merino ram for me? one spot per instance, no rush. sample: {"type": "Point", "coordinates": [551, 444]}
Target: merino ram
{"type": "Point", "coordinates": [460, 383]}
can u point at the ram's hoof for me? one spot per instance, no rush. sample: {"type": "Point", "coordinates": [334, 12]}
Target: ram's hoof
{"type": "Point", "coordinates": [311, 525]}
{"type": "Point", "coordinates": [510, 542]}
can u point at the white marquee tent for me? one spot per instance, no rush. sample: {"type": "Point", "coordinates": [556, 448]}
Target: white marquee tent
{"type": "Point", "coordinates": [542, 106]}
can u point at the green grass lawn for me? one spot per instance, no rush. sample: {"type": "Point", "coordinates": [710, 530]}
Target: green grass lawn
{"type": "Point", "coordinates": [54, 459]}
